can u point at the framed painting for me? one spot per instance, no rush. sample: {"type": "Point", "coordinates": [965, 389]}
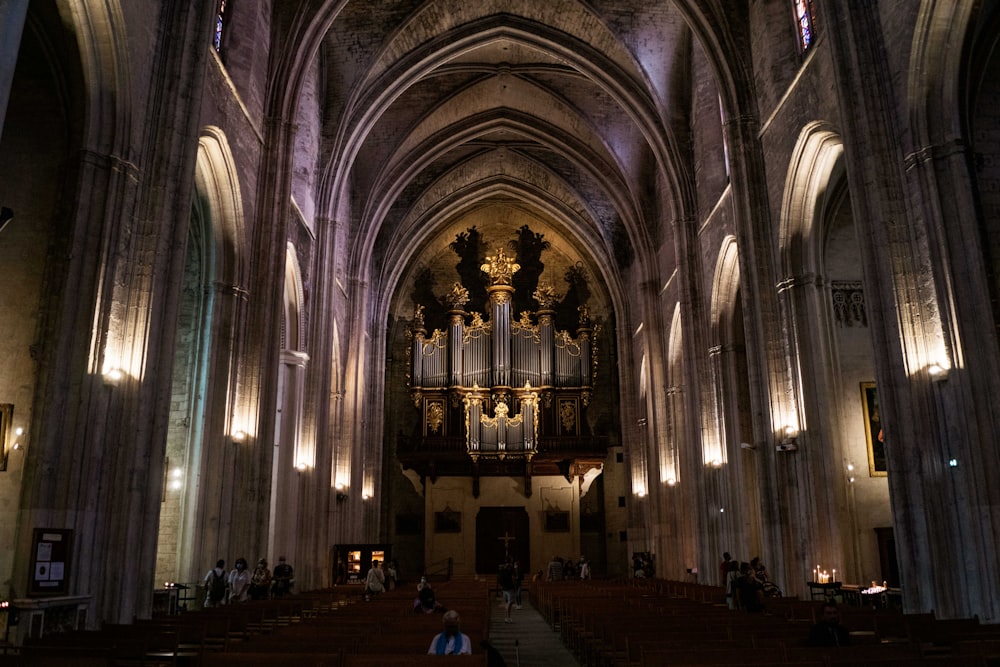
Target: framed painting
{"type": "Point", "coordinates": [873, 430]}
{"type": "Point", "coordinates": [448, 521]}
{"type": "Point", "coordinates": [557, 521]}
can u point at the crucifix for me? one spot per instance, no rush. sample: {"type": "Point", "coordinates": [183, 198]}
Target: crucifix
{"type": "Point", "coordinates": [506, 539]}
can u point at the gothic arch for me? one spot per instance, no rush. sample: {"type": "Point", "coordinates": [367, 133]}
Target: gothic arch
{"type": "Point", "coordinates": [219, 296]}
{"type": "Point", "coordinates": [101, 39]}
{"type": "Point", "coordinates": [217, 181]}
{"type": "Point", "coordinates": [816, 157]}
{"type": "Point", "coordinates": [736, 480]}
{"type": "Point", "coordinates": [830, 354]}
{"type": "Point", "coordinates": [293, 327]}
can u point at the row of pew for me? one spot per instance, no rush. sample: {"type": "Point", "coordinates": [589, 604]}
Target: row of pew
{"type": "Point", "coordinates": [651, 623]}
{"type": "Point", "coordinates": [330, 628]}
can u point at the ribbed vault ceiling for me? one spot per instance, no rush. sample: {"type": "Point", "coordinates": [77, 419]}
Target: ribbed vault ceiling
{"type": "Point", "coordinates": [448, 114]}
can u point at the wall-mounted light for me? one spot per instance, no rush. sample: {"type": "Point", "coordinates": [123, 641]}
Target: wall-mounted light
{"type": "Point", "coordinates": [301, 466]}
{"type": "Point", "coordinates": [238, 436]}
{"type": "Point", "coordinates": [366, 496]}
{"type": "Point", "coordinates": [716, 463]}
{"type": "Point", "coordinates": [640, 493]}
{"type": "Point", "coordinates": [18, 432]}
{"type": "Point", "coordinates": [113, 376]}
{"type": "Point", "coordinates": [937, 372]}
{"type": "Point", "coordinates": [789, 440]}
{"type": "Point", "coordinates": [671, 481]}
{"type": "Point", "coordinates": [176, 479]}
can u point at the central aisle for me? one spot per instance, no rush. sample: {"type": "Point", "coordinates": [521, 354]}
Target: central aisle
{"type": "Point", "coordinates": [537, 645]}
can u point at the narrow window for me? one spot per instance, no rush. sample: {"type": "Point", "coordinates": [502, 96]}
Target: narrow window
{"type": "Point", "coordinates": [725, 137]}
{"type": "Point", "coordinates": [804, 19]}
{"type": "Point", "coordinates": [220, 24]}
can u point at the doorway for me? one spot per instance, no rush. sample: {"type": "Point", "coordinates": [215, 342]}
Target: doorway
{"type": "Point", "coordinates": [502, 532]}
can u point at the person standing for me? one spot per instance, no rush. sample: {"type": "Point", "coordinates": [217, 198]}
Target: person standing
{"type": "Point", "coordinates": [260, 581]}
{"type": "Point", "coordinates": [584, 568]}
{"type": "Point", "coordinates": [374, 581]}
{"type": "Point", "coordinates": [215, 585]}
{"type": "Point", "coordinates": [724, 568]}
{"type": "Point", "coordinates": [505, 579]}
{"type": "Point", "coordinates": [451, 641]}
{"type": "Point", "coordinates": [518, 581]}
{"type": "Point", "coordinates": [555, 569]}
{"type": "Point", "coordinates": [283, 573]}
{"type": "Point", "coordinates": [239, 582]}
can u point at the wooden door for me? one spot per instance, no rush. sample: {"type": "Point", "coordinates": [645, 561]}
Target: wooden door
{"type": "Point", "coordinates": [502, 531]}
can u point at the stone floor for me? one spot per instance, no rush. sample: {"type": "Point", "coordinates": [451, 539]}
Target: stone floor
{"type": "Point", "coordinates": [528, 641]}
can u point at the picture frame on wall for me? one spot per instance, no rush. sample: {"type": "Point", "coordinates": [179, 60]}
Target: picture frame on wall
{"type": "Point", "coordinates": [557, 521]}
{"type": "Point", "coordinates": [50, 561]}
{"type": "Point", "coordinates": [448, 521]}
{"type": "Point", "coordinates": [877, 465]}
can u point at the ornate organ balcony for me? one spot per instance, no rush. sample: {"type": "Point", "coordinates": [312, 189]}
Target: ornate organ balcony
{"type": "Point", "coordinates": [499, 396]}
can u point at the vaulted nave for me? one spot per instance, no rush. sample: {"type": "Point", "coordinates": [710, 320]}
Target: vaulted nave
{"type": "Point", "coordinates": [452, 283]}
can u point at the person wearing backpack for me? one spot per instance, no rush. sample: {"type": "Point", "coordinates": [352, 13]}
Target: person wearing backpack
{"type": "Point", "coordinates": [215, 585]}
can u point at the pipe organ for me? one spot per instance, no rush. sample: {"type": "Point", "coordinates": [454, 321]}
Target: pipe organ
{"type": "Point", "coordinates": [502, 389]}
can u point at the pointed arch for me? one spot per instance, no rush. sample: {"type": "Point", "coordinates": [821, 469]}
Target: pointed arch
{"type": "Point", "coordinates": [816, 162]}
{"type": "Point", "coordinates": [215, 293]}
{"type": "Point", "coordinates": [217, 181]}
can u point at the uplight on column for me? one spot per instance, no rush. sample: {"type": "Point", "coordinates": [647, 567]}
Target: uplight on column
{"type": "Point", "coordinates": [113, 376]}
{"type": "Point", "coordinates": [789, 439]}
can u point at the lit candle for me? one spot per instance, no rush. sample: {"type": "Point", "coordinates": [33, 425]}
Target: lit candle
{"type": "Point", "coordinates": [834, 574]}
{"type": "Point", "coordinates": [814, 575]}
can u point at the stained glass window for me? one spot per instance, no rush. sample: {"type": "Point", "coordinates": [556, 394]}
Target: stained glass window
{"type": "Point", "coordinates": [804, 21]}
{"type": "Point", "coordinates": [220, 23]}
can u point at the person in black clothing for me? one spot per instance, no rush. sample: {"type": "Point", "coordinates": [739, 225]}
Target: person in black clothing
{"type": "Point", "coordinates": [426, 600]}
{"type": "Point", "coordinates": [215, 585]}
{"type": "Point", "coordinates": [282, 578]}
{"type": "Point", "coordinates": [829, 631]}
{"type": "Point", "coordinates": [749, 591]}
{"type": "Point", "coordinates": [505, 579]}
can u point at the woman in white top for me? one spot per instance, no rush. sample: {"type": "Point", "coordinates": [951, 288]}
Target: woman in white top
{"type": "Point", "coordinates": [239, 582]}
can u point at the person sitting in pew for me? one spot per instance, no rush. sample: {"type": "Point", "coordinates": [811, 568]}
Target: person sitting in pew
{"type": "Point", "coordinates": [451, 641]}
{"type": "Point", "coordinates": [829, 631]}
{"type": "Point", "coordinates": [426, 600]}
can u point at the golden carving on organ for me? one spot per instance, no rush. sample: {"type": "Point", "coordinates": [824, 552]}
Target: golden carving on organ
{"type": "Point", "coordinates": [500, 268]}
